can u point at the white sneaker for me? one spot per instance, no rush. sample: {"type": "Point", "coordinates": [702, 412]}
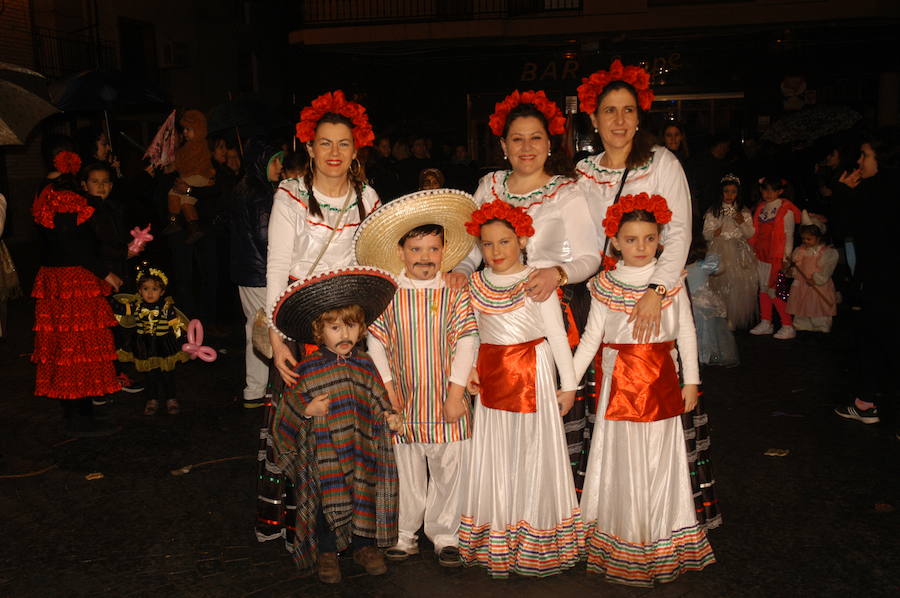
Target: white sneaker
{"type": "Point", "coordinates": [764, 327]}
{"type": "Point", "coordinates": [399, 553]}
{"type": "Point", "coordinates": [785, 333]}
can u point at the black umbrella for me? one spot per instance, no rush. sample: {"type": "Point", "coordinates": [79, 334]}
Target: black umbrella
{"type": "Point", "coordinates": [23, 103]}
{"type": "Point", "coordinates": [103, 90]}
{"type": "Point", "coordinates": [246, 116]}
{"type": "Point", "coordinates": [240, 112]}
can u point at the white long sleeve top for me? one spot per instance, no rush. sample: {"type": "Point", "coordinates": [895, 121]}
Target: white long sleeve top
{"type": "Point", "coordinates": [563, 232]}
{"type": "Point", "coordinates": [466, 347]}
{"type": "Point", "coordinates": [296, 238]}
{"type": "Point", "coordinates": [662, 175]}
{"type": "Point", "coordinates": [730, 228]}
{"type": "Point", "coordinates": [527, 323]}
{"type": "Point", "coordinates": [611, 326]}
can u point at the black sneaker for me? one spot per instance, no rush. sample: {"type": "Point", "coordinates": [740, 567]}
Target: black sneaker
{"type": "Point", "coordinates": [449, 557]}
{"type": "Point", "coordinates": [255, 403]}
{"type": "Point", "coordinates": [128, 385]}
{"type": "Point", "coordinates": [866, 416]}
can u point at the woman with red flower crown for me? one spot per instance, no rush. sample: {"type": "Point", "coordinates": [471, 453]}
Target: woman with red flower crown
{"type": "Point", "coordinates": [630, 164]}
{"type": "Point", "coordinates": [563, 250]}
{"type": "Point", "coordinates": [311, 231]}
{"type": "Point", "coordinates": [73, 345]}
{"type": "Point", "coordinates": [313, 219]}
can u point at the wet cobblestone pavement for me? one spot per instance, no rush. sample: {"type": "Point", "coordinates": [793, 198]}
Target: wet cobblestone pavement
{"type": "Point", "coordinates": [821, 521]}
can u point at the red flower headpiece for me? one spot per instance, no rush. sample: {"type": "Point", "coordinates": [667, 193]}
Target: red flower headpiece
{"type": "Point", "coordinates": [67, 162]}
{"type": "Point", "coordinates": [609, 263]}
{"type": "Point", "coordinates": [500, 210]}
{"type": "Point", "coordinates": [335, 103]}
{"type": "Point", "coordinates": [556, 122]}
{"type": "Point", "coordinates": [591, 87]}
{"type": "Point", "coordinates": [655, 204]}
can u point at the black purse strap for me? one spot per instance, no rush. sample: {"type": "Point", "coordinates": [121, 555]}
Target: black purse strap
{"type": "Point", "coordinates": [615, 201]}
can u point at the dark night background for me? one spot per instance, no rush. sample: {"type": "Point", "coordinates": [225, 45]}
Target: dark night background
{"type": "Point", "coordinates": [821, 521]}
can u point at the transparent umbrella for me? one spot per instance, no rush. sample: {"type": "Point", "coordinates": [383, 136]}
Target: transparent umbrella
{"type": "Point", "coordinates": [23, 103]}
{"type": "Point", "coordinates": [803, 128]}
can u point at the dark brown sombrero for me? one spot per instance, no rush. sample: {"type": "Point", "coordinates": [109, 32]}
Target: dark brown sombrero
{"type": "Point", "coordinates": [305, 300]}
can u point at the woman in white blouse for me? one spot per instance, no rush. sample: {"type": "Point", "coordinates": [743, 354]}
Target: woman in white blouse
{"type": "Point", "coordinates": [615, 101]}
{"type": "Point", "coordinates": [313, 219]}
{"type": "Point", "coordinates": [564, 246]}
{"type": "Point", "coordinates": [563, 249]}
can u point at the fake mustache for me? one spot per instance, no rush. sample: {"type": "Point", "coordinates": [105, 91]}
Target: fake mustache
{"type": "Point", "coordinates": [345, 341]}
{"type": "Point", "coordinates": [424, 264]}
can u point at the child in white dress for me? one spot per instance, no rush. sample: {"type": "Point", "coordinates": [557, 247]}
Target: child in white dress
{"type": "Point", "coordinates": [639, 514]}
{"type": "Point", "coordinates": [520, 513]}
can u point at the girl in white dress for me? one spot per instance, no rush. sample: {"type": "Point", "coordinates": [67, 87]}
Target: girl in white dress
{"type": "Point", "coordinates": [726, 227]}
{"type": "Point", "coordinates": [637, 504]}
{"type": "Point", "coordinates": [520, 513]}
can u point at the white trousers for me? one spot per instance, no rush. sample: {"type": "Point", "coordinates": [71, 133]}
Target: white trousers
{"type": "Point", "coordinates": [431, 491]}
{"type": "Point", "coordinates": [253, 298]}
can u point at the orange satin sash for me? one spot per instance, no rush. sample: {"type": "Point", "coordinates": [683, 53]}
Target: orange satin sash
{"type": "Point", "coordinates": [569, 317]}
{"type": "Point", "coordinates": [645, 384]}
{"type": "Point", "coordinates": [507, 374]}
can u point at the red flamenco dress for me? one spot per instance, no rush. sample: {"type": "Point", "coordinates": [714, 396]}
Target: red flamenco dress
{"type": "Point", "coordinates": [73, 346]}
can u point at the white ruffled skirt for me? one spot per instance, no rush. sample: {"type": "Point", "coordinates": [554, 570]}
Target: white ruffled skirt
{"type": "Point", "coordinates": [520, 513]}
{"type": "Point", "coordinates": [637, 503]}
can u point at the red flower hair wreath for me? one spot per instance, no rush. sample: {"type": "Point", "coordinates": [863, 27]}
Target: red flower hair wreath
{"type": "Point", "coordinates": [335, 103]}
{"type": "Point", "coordinates": [556, 122]}
{"type": "Point", "coordinates": [67, 162]}
{"type": "Point", "coordinates": [591, 87]}
{"type": "Point", "coordinates": [655, 204]}
{"type": "Point", "coordinates": [500, 210]}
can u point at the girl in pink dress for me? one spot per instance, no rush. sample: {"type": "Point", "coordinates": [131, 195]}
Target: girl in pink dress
{"type": "Point", "coordinates": [813, 301]}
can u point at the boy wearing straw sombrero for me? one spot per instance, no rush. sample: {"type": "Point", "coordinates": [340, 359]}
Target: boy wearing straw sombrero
{"type": "Point", "coordinates": [330, 430]}
{"type": "Point", "coordinates": [424, 345]}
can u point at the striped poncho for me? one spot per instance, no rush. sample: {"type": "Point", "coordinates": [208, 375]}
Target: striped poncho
{"type": "Point", "coordinates": [344, 461]}
{"type": "Point", "coordinates": [420, 330]}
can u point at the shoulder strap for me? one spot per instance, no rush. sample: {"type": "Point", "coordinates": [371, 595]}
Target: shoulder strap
{"type": "Point", "coordinates": [333, 231]}
{"type": "Point", "coordinates": [615, 201]}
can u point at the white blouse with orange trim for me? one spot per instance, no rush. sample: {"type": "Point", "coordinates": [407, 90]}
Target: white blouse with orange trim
{"type": "Point", "coordinates": [296, 237]}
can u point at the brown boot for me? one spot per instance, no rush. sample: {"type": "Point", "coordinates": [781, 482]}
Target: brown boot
{"type": "Point", "coordinates": [329, 570]}
{"type": "Point", "coordinates": [371, 560]}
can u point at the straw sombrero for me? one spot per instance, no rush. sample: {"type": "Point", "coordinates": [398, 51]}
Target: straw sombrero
{"type": "Point", "coordinates": [307, 299]}
{"type": "Point", "coordinates": [375, 242]}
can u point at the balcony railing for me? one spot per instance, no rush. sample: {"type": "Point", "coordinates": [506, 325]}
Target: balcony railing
{"type": "Point", "coordinates": [330, 13]}
{"type": "Point", "coordinates": [60, 54]}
